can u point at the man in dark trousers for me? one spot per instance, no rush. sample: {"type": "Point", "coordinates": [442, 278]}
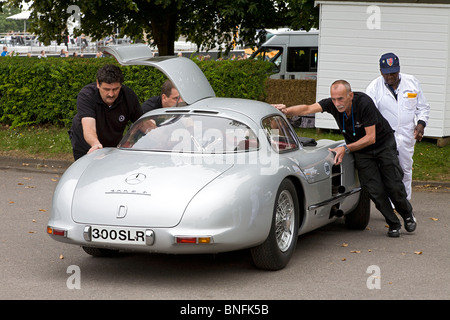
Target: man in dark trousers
{"type": "Point", "coordinates": [104, 109]}
{"type": "Point", "coordinates": [371, 140]}
{"type": "Point", "coordinates": [170, 97]}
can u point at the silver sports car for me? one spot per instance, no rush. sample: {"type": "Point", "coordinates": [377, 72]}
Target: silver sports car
{"type": "Point", "coordinates": [213, 175]}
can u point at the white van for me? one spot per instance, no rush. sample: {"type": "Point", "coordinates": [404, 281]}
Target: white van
{"type": "Point", "coordinates": [293, 53]}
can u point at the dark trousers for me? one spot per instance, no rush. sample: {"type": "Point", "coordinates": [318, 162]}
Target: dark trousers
{"type": "Point", "coordinates": [77, 154]}
{"type": "Point", "coordinates": [381, 175]}
{"type": "Point", "coordinates": [79, 146]}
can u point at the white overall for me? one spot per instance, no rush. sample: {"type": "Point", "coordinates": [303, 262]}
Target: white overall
{"type": "Point", "coordinates": [402, 114]}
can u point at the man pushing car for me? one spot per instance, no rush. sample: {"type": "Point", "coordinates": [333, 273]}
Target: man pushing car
{"type": "Point", "coordinates": [104, 109]}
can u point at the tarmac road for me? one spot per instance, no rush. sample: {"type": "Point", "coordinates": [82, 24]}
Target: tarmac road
{"type": "Point", "coordinates": [329, 263]}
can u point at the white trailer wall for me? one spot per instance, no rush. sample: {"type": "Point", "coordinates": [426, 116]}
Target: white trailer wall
{"type": "Point", "coordinates": [353, 36]}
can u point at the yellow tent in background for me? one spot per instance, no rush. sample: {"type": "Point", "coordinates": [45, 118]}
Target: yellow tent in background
{"type": "Point", "coordinates": [249, 51]}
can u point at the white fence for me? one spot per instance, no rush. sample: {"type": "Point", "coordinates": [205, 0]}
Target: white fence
{"type": "Point", "coordinates": [24, 43]}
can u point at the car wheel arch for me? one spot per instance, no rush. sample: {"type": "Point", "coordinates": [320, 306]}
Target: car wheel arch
{"type": "Point", "coordinates": [300, 196]}
{"type": "Point", "coordinates": [276, 251]}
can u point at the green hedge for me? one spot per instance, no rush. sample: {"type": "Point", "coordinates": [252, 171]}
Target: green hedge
{"type": "Point", "coordinates": [44, 91]}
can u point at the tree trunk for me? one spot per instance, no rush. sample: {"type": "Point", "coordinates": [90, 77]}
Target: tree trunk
{"type": "Point", "coordinates": [164, 29]}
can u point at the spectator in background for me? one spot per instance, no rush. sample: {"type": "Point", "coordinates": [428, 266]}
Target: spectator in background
{"type": "Point", "coordinates": [5, 52]}
{"type": "Point", "coordinates": [83, 42]}
{"type": "Point", "coordinates": [65, 36]}
{"type": "Point", "coordinates": [8, 38]}
{"type": "Point", "coordinates": [42, 55]}
{"type": "Point", "coordinates": [109, 40]}
{"type": "Point", "coordinates": [64, 53]}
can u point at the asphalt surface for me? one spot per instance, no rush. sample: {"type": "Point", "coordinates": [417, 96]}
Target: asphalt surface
{"type": "Point", "coordinates": [331, 263]}
{"type": "Point", "coordinates": [56, 166]}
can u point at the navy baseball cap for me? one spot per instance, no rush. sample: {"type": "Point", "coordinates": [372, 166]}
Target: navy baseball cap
{"type": "Point", "coordinates": [389, 63]}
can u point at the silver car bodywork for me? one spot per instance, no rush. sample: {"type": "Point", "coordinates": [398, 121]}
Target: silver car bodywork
{"type": "Point", "coordinates": [236, 176]}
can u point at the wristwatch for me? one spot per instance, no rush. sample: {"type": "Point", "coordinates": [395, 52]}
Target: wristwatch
{"type": "Point", "coordinates": [346, 148]}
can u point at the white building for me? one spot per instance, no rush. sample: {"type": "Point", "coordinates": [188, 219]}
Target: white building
{"type": "Point", "coordinates": [354, 34]}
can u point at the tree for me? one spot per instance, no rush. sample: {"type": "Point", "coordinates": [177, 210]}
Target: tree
{"type": "Point", "coordinates": [8, 25]}
{"type": "Point", "coordinates": [207, 23]}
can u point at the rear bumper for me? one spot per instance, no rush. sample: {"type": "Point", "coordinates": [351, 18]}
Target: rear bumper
{"type": "Point", "coordinates": [157, 240]}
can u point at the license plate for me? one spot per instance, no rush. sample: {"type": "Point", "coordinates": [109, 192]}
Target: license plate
{"type": "Point", "coordinates": [118, 235]}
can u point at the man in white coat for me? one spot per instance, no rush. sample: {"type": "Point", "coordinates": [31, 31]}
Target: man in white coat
{"type": "Point", "coordinates": [400, 99]}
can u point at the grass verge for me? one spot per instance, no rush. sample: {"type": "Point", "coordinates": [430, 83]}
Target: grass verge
{"type": "Point", "coordinates": [36, 142]}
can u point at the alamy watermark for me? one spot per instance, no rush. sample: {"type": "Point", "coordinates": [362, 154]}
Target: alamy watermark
{"type": "Point", "coordinates": [74, 280]}
{"type": "Point", "coordinates": [374, 280]}
{"type": "Point", "coordinates": [75, 18]}
{"type": "Point", "coordinates": [374, 20]}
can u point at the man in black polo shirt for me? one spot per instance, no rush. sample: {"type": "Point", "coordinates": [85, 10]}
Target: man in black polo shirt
{"type": "Point", "coordinates": [371, 140]}
{"type": "Point", "coordinates": [103, 111]}
{"type": "Point", "coordinates": [170, 97]}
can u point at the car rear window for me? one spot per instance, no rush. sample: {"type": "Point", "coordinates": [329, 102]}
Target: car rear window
{"type": "Point", "coordinates": [189, 133]}
{"type": "Point", "coordinates": [279, 134]}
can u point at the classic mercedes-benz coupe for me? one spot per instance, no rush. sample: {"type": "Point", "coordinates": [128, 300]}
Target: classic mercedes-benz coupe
{"type": "Point", "coordinates": [213, 175]}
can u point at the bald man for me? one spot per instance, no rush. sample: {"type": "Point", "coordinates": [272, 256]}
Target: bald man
{"type": "Point", "coordinates": [371, 140]}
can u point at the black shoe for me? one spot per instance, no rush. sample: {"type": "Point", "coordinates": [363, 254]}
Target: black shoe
{"type": "Point", "coordinates": [393, 232]}
{"type": "Point", "coordinates": [410, 223]}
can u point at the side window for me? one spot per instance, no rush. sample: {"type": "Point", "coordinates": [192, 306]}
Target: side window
{"type": "Point", "coordinates": [272, 54]}
{"type": "Point", "coordinates": [279, 134]}
{"type": "Point", "coordinates": [302, 59]}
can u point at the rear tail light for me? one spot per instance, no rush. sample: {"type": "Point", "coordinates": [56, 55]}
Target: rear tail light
{"type": "Point", "coordinates": [56, 232]}
{"type": "Point", "coordinates": [193, 240]}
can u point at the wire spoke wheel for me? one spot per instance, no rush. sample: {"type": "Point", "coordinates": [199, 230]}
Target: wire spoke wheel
{"type": "Point", "coordinates": [284, 216]}
{"type": "Point", "coordinates": [277, 250]}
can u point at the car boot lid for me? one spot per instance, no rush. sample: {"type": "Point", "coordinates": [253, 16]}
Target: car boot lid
{"type": "Point", "coordinates": [184, 73]}
{"type": "Point", "coordinates": [140, 190]}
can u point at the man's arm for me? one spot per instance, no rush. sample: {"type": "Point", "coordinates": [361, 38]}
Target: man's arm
{"type": "Point", "coordinates": [90, 133]}
{"type": "Point", "coordinates": [299, 110]}
{"type": "Point", "coordinates": [422, 114]}
{"type": "Point", "coordinates": [365, 141]}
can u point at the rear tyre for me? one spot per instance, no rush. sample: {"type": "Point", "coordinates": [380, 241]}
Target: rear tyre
{"type": "Point", "coordinates": [100, 252]}
{"type": "Point", "coordinates": [276, 251]}
{"type": "Point", "coordinates": [359, 218]}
